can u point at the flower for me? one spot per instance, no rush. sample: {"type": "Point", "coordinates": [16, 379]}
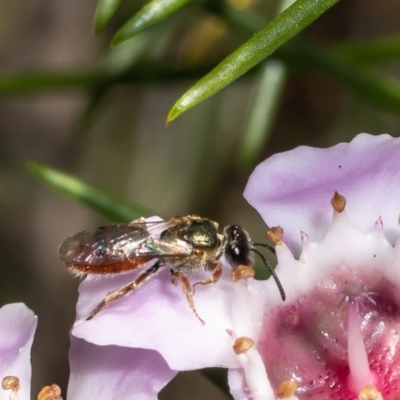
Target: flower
{"type": "Point", "coordinates": [17, 327]}
{"type": "Point", "coordinates": [336, 334]}
{"type": "Point", "coordinates": [154, 321]}
{"type": "Point", "coordinates": [108, 372]}
{"type": "Point", "coordinates": [97, 372]}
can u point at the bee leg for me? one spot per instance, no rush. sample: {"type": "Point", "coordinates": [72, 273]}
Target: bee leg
{"type": "Point", "coordinates": [216, 268]}
{"type": "Point", "coordinates": [126, 289]}
{"type": "Point", "coordinates": [187, 289]}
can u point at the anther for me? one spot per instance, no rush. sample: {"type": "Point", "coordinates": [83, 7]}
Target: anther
{"type": "Point", "coordinates": [242, 344]}
{"type": "Point", "coordinates": [287, 389]}
{"type": "Point", "coordinates": [52, 392]}
{"type": "Point", "coordinates": [11, 383]}
{"type": "Point", "coordinates": [369, 392]}
{"type": "Point", "coordinates": [338, 202]}
{"type": "Point", "coordinates": [242, 272]}
{"type": "Point", "coordinates": [275, 235]}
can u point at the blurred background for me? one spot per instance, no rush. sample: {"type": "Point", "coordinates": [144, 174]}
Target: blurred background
{"type": "Point", "coordinates": [70, 102]}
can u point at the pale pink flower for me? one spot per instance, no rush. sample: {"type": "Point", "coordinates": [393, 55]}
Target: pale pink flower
{"type": "Point", "coordinates": [17, 328]}
{"type": "Point", "coordinates": [335, 337]}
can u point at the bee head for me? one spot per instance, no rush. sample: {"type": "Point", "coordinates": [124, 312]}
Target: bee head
{"type": "Point", "coordinates": [238, 249]}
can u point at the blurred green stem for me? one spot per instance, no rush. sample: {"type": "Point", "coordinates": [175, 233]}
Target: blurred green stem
{"type": "Point", "coordinates": [262, 107]}
{"type": "Point", "coordinates": [262, 44]}
{"type": "Point", "coordinates": [31, 82]}
{"type": "Point", "coordinates": [265, 98]}
{"type": "Point", "coordinates": [364, 52]}
{"type": "Point", "coordinates": [378, 89]}
{"type": "Point", "coordinates": [112, 207]}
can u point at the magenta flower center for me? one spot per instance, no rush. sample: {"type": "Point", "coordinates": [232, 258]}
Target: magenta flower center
{"type": "Point", "coordinates": [340, 337]}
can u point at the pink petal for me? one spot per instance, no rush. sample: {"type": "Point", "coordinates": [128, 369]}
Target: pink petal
{"type": "Point", "coordinates": [293, 189]}
{"type": "Point", "coordinates": [17, 327]}
{"type": "Point", "coordinates": [237, 384]}
{"type": "Point", "coordinates": [112, 372]}
{"type": "Point", "coordinates": [157, 316]}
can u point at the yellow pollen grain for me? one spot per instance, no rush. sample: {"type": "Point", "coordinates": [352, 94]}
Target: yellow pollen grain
{"type": "Point", "coordinates": [275, 235]}
{"type": "Point", "coordinates": [287, 389]}
{"type": "Point", "coordinates": [10, 382]}
{"type": "Point", "coordinates": [369, 392]}
{"type": "Point", "coordinates": [338, 202]}
{"type": "Point", "coordinates": [242, 272]}
{"type": "Point", "coordinates": [52, 392]}
{"type": "Point", "coordinates": [242, 344]}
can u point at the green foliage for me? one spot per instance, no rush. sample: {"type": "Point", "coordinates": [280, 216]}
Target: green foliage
{"type": "Point", "coordinates": [109, 206]}
{"type": "Point", "coordinates": [104, 11]}
{"type": "Point", "coordinates": [141, 60]}
{"type": "Point", "coordinates": [261, 112]}
{"type": "Point", "coordinates": [154, 11]}
{"type": "Point", "coordinates": [373, 51]}
{"type": "Point", "coordinates": [261, 45]}
{"type": "Point", "coordinates": [375, 88]}
{"type": "Point", "coordinates": [350, 63]}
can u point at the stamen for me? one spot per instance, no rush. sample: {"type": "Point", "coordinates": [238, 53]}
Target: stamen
{"type": "Point", "coordinates": [360, 374]}
{"type": "Point", "coordinates": [369, 392]}
{"type": "Point", "coordinates": [242, 272]}
{"type": "Point", "coordinates": [338, 202]}
{"type": "Point", "coordinates": [52, 392]}
{"type": "Point", "coordinates": [242, 344]}
{"type": "Point", "coordinates": [275, 235]}
{"type": "Point", "coordinates": [287, 389]}
{"type": "Point", "coordinates": [11, 383]}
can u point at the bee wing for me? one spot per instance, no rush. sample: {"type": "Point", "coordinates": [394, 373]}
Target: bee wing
{"type": "Point", "coordinates": [156, 227]}
{"type": "Point", "coordinates": [115, 244]}
{"type": "Point", "coordinates": [102, 245]}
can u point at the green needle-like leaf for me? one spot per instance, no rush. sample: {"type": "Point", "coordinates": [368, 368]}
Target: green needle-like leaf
{"type": "Point", "coordinates": [263, 106]}
{"type": "Point", "coordinates": [371, 51]}
{"type": "Point", "coordinates": [261, 45]}
{"type": "Point", "coordinates": [104, 11]}
{"type": "Point", "coordinates": [150, 14]}
{"type": "Point", "coordinates": [105, 204]}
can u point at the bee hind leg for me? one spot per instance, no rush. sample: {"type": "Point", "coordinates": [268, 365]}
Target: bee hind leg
{"type": "Point", "coordinates": [187, 289]}
{"type": "Point", "coordinates": [125, 290]}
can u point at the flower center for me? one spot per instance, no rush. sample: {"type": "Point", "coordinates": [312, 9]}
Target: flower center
{"type": "Point", "coordinates": [341, 337]}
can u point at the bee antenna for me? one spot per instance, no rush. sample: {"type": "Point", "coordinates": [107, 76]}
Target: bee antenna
{"type": "Point", "coordinates": [277, 281]}
{"type": "Point", "coordinates": [269, 247]}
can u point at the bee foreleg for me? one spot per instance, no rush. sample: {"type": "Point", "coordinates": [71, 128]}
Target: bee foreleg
{"type": "Point", "coordinates": [126, 289]}
{"type": "Point", "coordinates": [187, 289]}
{"type": "Point", "coordinates": [216, 268]}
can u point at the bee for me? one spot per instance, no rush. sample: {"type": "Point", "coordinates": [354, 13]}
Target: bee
{"type": "Point", "coordinates": [183, 244]}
